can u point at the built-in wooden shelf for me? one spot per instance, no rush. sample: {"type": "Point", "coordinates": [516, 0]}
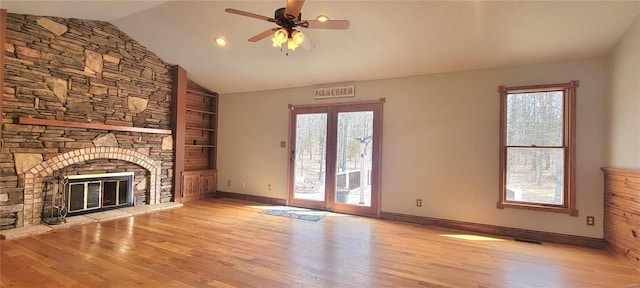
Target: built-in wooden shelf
{"type": "Point", "coordinates": [202, 129]}
{"type": "Point", "coordinates": [97, 126]}
{"type": "Point", "coordinates": [200, 145]}
{"type": "Point", "coordinates": [189, 91]}
{"type": "Point", "coordinates": [194, 111]}
{"type": "Point", "coordinates": [201, 111]}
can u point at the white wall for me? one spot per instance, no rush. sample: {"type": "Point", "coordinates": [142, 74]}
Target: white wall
{"type": "Point", "coordinates": [624, 104]}
{"type": "Point", "coordinates": [440, 143]}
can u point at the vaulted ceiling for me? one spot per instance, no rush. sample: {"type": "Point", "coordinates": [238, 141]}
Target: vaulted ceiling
{"type": "Point", "coordinates": [386, 39]}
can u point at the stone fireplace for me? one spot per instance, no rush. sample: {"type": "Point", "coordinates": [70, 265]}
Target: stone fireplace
{"type": "Point", "coordinates": [80, 97]}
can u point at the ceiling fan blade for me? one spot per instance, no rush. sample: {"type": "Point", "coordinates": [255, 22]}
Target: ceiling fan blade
{"type": "Point", "coordinates": [329, 24]}
{"type": "Point", "coordinates": [307, 44]}
{"type": "Point", "coordinates": [293, 8]}
{"type": "Point", "coordinates": [249, 14]}
{"type": "Point", "coordinates": [262, 35]}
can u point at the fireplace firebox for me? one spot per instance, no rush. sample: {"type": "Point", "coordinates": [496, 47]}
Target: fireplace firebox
{"type": "Point", "coordinates": [98, 192]}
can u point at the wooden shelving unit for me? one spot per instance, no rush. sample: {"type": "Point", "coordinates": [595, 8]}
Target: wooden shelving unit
{"type": "Point", "coordinates": [200, 129]}
{"type": "Point", "coordinates": [196, 120]}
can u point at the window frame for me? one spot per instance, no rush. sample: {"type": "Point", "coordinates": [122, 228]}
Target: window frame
{"type": "Point", "coordinates": [569, 135]}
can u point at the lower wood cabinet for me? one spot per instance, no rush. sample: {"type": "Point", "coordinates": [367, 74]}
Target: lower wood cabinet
{"type": "Point", "coordinates": [198, 184]}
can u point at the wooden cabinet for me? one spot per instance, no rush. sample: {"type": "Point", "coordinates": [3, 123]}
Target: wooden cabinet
{"type": "Point", "coordinates": [622, 213]}
{"type": "Point", "coordinates": [209, 184]}
{"type": "Point", "coordinates": [195, 115]}
{"type": "Point", "coordinates": [198, 184]}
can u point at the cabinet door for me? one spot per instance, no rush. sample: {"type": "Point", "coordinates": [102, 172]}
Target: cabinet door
{"type": "Point", "coordinates": [209, 183]}
{"type": "Point", "coordinates": [192, 185]}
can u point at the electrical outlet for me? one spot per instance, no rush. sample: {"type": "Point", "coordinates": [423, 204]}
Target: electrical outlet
{"type": "Point", "coordinates": [269, 187]}
{"type": "Point", "coordinates": [419, 202]}
{"type": "Point", "coordinates": [283, 144]}
{"type": "Point", "coordinates": [591, 221]}
{"type": "Point", "coordinates": [228, 182]}
{"type": "Point", "coordinates": [244, 185]}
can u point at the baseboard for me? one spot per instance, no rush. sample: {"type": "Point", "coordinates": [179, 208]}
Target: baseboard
{"type": "Point", "coordinates": [517, 233]}
{"type": "Point", "coordinates": [253, 198]}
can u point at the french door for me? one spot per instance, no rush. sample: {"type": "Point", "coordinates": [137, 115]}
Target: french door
{"type": "Point", "coordinates": [335, 157]}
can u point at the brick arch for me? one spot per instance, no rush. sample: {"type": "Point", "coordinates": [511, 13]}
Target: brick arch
{"type": "Point", "coordinates": [34, 176]}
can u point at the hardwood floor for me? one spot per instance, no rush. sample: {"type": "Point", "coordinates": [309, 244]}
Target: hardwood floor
{"type": "Point", "coordinates": [227, 243]}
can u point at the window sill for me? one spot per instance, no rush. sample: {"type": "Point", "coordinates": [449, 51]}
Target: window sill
{"type": "Point", "coordinates": [533, 206]}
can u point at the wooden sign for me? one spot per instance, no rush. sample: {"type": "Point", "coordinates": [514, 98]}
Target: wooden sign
{"type": "Point", "coordinates": [334, 92]}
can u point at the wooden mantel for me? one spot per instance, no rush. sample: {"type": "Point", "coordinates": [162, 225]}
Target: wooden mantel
{"type": "Point", "coordinates": [97, 126]}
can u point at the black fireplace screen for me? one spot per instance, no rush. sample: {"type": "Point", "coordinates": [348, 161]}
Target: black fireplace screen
{"type": "Point", "coordinates": [86, 193]}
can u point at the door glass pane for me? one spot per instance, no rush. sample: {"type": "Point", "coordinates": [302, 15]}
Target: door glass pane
{"type": "Point", "coordinates": [535, 175]}
{"type": "Point", "coordinates": [123, 187]}
{"type": "Point", "coordinates": [354, 158]}
{"type": "Point", "coordinates": [76, 197]}
{"type": "Point", "coordinates": [309, 169]}
{"type": "Point", "coordinates": [93, 195]}
{"type": "Point", "coordinates": [535, 119]}
{"type": "Point", "coordinates": [109, 193]}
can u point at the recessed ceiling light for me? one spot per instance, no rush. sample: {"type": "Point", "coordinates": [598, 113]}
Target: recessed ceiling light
{"type": "Point", "coordinates": [322, 18]}
{"type": "Point", "coordinates": [220, 41]}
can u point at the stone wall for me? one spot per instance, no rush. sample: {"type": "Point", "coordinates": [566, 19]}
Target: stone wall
{"type": "Point", "coordinates": [80, 71]}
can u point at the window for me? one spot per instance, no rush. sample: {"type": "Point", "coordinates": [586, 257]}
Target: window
{"type": "Point", "coordinates": [537, 147]}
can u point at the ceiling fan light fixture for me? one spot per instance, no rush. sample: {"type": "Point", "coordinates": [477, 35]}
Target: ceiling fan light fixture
{"type": "Point", "coordinates": [291, 44]}
{"type": "Point", "coordinates": [322, 18]}
{"type": "Point", "coordinates": [288, 18]}
{"type": "Point", "coordinates": [281, 35]}
{"type": "Point", "coordinates": [297, 37]}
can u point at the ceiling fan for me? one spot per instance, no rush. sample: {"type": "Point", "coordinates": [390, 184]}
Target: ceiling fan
{"type": "Point", "coordinates": [289, 18]}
